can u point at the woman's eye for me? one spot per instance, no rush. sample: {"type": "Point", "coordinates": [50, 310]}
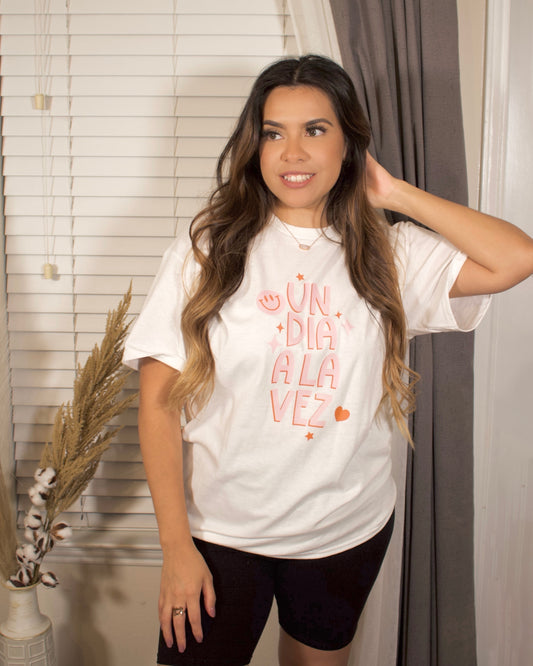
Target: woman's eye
{"type": "Point", "coordinates": [315, 131]}
{"type": "Point", "coordinates": [271, 135]}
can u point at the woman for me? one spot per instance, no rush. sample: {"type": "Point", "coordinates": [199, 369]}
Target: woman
{"type": "Point", "coordinates": [281, 326]}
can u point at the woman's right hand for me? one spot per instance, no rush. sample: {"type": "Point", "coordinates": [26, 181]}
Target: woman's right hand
{"type": "Point", "coordinates": [184, 578]}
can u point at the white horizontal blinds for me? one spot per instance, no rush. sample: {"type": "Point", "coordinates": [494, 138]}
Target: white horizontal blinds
{"type": "Point", "coordinates": [141, 97]}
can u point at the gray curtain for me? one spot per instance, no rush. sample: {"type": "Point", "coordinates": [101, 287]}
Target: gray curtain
{"type": "Point", "coordinates": [403, 58]}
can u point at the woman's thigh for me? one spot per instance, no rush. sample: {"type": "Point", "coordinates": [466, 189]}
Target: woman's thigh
{"type": "Point", "coordinates": [320, 601]}
{"type": "Point", "coordinates": [293, 653]}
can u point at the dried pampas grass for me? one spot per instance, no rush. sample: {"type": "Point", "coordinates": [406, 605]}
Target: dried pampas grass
{"type": "Point", "coordinates": [8, 531]}
{"type": "Point", "coordinates": [79, 437]}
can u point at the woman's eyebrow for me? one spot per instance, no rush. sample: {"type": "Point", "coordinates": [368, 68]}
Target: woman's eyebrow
{"type": "Point", "coordinates": [273, 123]}
{"type": "Point", "coordinates": [315, 121]}
{"type": "Point", "coordinates": [319, 120]}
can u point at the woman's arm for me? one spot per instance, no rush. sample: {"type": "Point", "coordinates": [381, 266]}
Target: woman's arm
{"type": "Point", "coordinates": [184, 574]}
{"type": "Point", "coordinates": [499, 254]}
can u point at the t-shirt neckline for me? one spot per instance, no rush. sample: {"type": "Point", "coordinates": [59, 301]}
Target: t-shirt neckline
{"type": "Point", "coordinates": [301, 233]}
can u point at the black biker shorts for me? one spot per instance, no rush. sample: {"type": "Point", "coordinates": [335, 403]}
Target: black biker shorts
{"type": "Point", "coordinates": [319, 601]}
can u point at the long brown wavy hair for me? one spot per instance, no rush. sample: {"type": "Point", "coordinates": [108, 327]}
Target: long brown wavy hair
{"type": "Point", "coordinates": [241, 206]}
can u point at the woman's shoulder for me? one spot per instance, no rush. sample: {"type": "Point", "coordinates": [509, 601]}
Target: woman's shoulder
{"type": "Point", "coordinates": [399, 232]}
{"type": "Point", "coordinates": [181, 245]}
{"type": "Point", "coordinates": [178, 256]}
{"type": "Point", "coordinates": [177, 264]}
{"type": "Point", "coordinates": [407, 237]}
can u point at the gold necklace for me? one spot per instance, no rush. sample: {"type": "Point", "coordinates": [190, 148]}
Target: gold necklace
{"type": "Point", "coordinates": [302, 246]}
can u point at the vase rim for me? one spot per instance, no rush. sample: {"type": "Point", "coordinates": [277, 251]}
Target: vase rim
{"type": "Point", "coordinates": [13, 588]}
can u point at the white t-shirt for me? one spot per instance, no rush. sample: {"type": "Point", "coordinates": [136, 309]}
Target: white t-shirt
{"type": "Point", "coordinates": [287, 459]}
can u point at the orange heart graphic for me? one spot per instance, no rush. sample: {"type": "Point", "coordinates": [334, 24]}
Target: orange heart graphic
{"type": "Point", "coordinates": [341, 414]}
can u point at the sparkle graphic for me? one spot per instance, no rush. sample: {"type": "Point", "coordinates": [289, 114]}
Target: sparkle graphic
{"type": "Point", "coordinates": [300, 277]}
{"type": "Point", "coordinates": [309, 436]}
{"type": "Point", "coordinates": [274, 344]}
{"type": "Point", "coordinates": [280, 327]}
{"type": "Point", "coordinates": [338, 315]}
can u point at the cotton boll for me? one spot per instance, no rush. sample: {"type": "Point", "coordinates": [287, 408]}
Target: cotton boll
{"type": "Point", "coordinates": [24, 576]}
{"type": "Point", "coordinates": [43, 541]}
{"type": "Point", "coordinates": [27, 553]}
{"type": "Point", "coordinates": [15, 582]}
{"type": "Point", "coordinates": [36, 514]}
{"type": "Point", "coordinates": [38, 495]}
{"type": "Point", "coordinates": [30, 534]}
{"type": "Point", "coordinates": [46, 477]}
{"type": "Point", "coordinates": [33, 519]}
{"type": "Point", "coordinates": [40, 537]}
{"type": "Point", "coordinates": [21, 578]}
{"type": "Point", "coordinates": [49, 579]}
{"type": "Point", "coordinates": [61, 531]}
{"type": "Point", "coordinates": [30, 552]}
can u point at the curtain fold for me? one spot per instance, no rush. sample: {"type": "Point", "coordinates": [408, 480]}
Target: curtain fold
{"type": "Point", "coordinates": [403, 58]}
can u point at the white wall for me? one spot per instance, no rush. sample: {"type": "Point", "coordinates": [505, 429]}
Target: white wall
{"type": "Point", "coordinates": [504, 361]}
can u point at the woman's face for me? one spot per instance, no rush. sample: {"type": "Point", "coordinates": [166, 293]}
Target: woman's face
{"type": "Point", "coordinates": [301, 152]}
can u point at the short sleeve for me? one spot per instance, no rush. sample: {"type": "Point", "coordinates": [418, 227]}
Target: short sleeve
{"type": "Point", "coordinates": [428, 266]}
{"type": "Point", "coordinates": [156, 332]}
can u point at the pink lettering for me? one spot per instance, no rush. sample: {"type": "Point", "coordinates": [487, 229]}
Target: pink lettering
{"type": "Point", "coordinates": [329, 370]}
{"type": "Point", "coordinates": [316, 302]}
{"type": "Point", "coordinates": [305, 380]}
{"type": "Point", "coordinates": [311, 333]}
{"type": "Point", "coordinates": [284, 365]}
{"type": "Point", "coordinates": [325, 399]}
{"type": "Point", "coordinates": [302, 398]}
{"type": "Point", "coordinates": [297, 307]}
{"type": "Point", "coordinates": [278, 410]}
{"type": "Point", "coordinates": [326, 330]}
{"type": "Point", "coordinates": [295, 329]}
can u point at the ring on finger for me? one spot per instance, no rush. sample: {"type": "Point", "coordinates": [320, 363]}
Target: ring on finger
{"type": "Point", "coordinates": [178, 611]}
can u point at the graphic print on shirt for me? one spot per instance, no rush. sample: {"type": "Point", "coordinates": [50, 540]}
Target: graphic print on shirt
{"type": "Point", "coordinates": [306, 368]}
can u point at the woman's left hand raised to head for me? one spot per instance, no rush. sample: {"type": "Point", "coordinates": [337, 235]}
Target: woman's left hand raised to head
{"type": "Point", "coordinates": [380, 184]}
{"type": "Point", "coordinates": [500, 255]}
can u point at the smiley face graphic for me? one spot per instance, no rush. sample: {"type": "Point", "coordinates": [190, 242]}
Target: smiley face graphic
{"type": "Point", "coordinates": [270, 302]}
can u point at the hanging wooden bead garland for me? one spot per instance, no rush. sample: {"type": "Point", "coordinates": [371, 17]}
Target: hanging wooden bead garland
{"type": "Point", "coordinates": [41, 102]}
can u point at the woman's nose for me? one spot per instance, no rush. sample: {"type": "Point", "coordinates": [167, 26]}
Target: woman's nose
{"type": "Point", "coordinates": [293, 150]}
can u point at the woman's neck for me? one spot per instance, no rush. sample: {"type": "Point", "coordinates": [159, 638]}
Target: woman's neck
{"type": "Point", "coordinates": [299, 217]}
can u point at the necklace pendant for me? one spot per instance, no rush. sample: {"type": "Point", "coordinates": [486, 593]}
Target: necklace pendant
{"type": "Point", "coordinates": [303, 246]}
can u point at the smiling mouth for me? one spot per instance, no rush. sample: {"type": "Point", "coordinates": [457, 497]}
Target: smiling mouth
{"type": "Point", "coordinates": [297, 177]}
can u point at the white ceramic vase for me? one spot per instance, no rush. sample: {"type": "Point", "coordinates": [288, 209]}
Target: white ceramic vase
{"type": "Point", "coordinates": [26, 637]}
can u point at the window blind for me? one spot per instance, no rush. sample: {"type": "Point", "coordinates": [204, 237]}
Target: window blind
{"type": "Point", "coordinates": [140, 97]}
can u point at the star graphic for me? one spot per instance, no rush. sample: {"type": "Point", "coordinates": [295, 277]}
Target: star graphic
{"type": "Point", "coordinates": [274, 343]}
{"type": "Point", "coordinates": [338, 315]}
{"type": "Point", "coordinates": [300, 277]}
{"type": "Point", "coordinates": [309, 436]}
{"type": "Point", "coordinates": [280, 327]}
